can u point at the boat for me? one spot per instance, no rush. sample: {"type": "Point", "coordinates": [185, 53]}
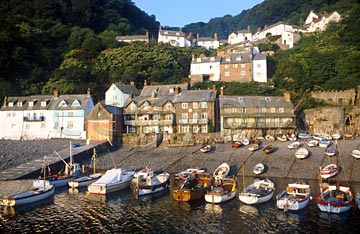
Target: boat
{"type": "Point", "coordinates": [358, 200]}
{"type": "Point", "coordinates": [206, 149]}
{"type": "Point", "coordinates": [355, 153]}
{"type": "Point", "coordinates": [182, 175]}
{"type": "Point", "coordinates": [149, 181]}
{"type": "Point", "coordinates": [113, 180]}
{"type": "Point", "coordinates": [302, 135]}
{"type": "Point", "coordinates": [296, 196]}
{"type": "Point", "coordinates": [245, 141]}
{"type": "Point", "coordinates": [324, 143]}
{"type": "Point", "coordinates": [258, 192]}
{"type": "Point", "coordinates": [221, 171]}
{"type": "Point", "coordinates": [236, 144]}
{"type": "Point", "coordinates": [329, 171]}
{"type": "Point", "coordinates": [282, 137]}
{"type": "Point", "coordinates": [258, 169]}
{"type": "Point", "coordinates": [301, 153]}
{"type": "Point", "coordinates": [86, 180]}
{"type": "Point", "coordinates": [294, 145]}
{"type": "Point", "coordinates": [253, 147]}
{"type": "Point", "coordinates": [270, 138]}
{"type": "Point", "coordinates": [336, 198]}
{"type": "Point", "coordinates": [268, 149]}
{"type": "Point", "coordinates": [291, 136]}
{"type": "Point", "coordinates": [330, 151]}
{"type": "Point", "coordinates": [313, 143]}
{"type": "Point", "coordinates": [348, 136]}
{"type": "Point", "coordinates": [224, 190]}
{"type": "Point", "coordinates": [194, 187]}
{"type": "Point", "coordinates": [336, 136]}
{"type": "Point", "coordinates": [317, 136]}
{"type": "Point", "coordinates": [31, 196]}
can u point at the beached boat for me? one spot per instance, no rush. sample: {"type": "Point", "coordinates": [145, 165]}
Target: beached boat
{"type": "Point", "coordinates": [224, 190]}
{"type": "Point", "coordinates": [331, 151]}
{"type": "Point", "coordinates": [301, 153]}
{"type": "Point", "coordinates": [206, 148]}
{"type": "Point", "coordinates": [355, 153]}
{"type": "Point", "coordinates": [253, 147]}
{"type": "Point", "coordinates": [236, 144]}
{"type": "Point", "coordinates": [245, 141]}
{"type": "Point", "coordinates": [258, 192]}
{"type": "Point", "coordinates": [31, 196]}
{"type": "Point", "coordinates": [348, 136]}
{"type": "Point", "coordinates": [291, 136]}
{"type": "Point", "coordinates": [317, 136]}
{"type": "Point", "coordinates": [302, 135]}
{"type": "Point", "coordinates": [258, 168]}
{"type": "Point", "coordinates": [149, 182]}
{"type": "Point", "coordinates": [337, 198]}
{"type": "Point", "coordinates": [270, 138]}
{"type": "Point", "coordinates": [221, 171]}
{"type": "Point", "coordinates": [329, 171]}
{"type": "Point", "coordinates": [268, 149]}
{"type": "Point", "coordinates": [296, 196]}
{"type": "Point", "coordinates": [336, 136]}
{"type": "Point", "coordinates": [113, 180]}
{"type": "Point", "coordinates": [282, 137]}
{"type": "Point", "coordinates": [324, 143]}
{"type": "Point", "coordinates": [313, 143]}
{"type": "Point", "coordinates": [86, 180]}
{"type": "Point", "coordinates": [294, 145]}
{"type": "Point", "coordinates": [183, 175]}
{"type": "Point", "coordinates": [194, 187]}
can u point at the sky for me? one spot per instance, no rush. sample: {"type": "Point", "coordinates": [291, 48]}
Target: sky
{"type": "Point", "coordinates": [180, 13]}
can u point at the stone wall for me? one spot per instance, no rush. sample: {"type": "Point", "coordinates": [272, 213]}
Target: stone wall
{"type": "Point", "coordinates": [327, 120]}
{"type": "Point", "coordinates": [343, 97]}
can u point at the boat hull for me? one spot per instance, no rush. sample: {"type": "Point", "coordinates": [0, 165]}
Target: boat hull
{"type": "Point", "coordinates": [284, 202]}
{"type": "Point", "coordinates": [335, 204]}
{"type": "Point", "coordinates": [154, 187]}
{"type": "Point", "coordinates": [102, 189]}
{"type": "Point", "coordinates": [186, 195]}
{"type": "Point", "coordinates": [217, 198]}
{"type": "Point", "coordinates": [29, 197]}
{"type": "Point", "coordinates": [251, 198]}
{"type": "Point", "coordinates": [84, 181]}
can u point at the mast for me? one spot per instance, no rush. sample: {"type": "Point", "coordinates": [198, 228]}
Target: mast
{"type": "Point", "coordinates": [44, 171]}
{"type": "Point", "coordinates": [320, 184]}
{"type": "Point", "coordinates": [243, 175]}
{"type": "Point", "coordinates": [71, 159]}
{"type": "Point", "coordinates": [94, 160]}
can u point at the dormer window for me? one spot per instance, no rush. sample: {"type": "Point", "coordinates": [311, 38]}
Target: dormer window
{"type": "Point", "coordinates": [31, 103]}
{"type": "Point", "coordinates": [76, 103]}
{"type": "Point", "coordinates": [11, 104]}
{"type": "Point", "coordinates": [166, 32]}
{"type": "Point", "coordinates": [177, 34]}
{"type": "Point", "coordinates": [43, 103]}
{"type": "Point", "coordinates": [238, 58]}
{"type": "Point", "coordinates": [212, 59]}
{"type": "Point", "coordinates": [198, 60]}
{"type": "Point", "coordinates": [171, 90]}
{"type": "Point", "coordinates": [63, 103]}
{"type": "Point", "coordinates": [227, 60]}
{"type": "Point", "coordinates": [19, 104]}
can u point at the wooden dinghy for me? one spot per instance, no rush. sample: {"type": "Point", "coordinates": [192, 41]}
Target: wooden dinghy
{"type": "Point", "coordinates": [221, 171]}
{"type": "Point", "coordinates": [313, 143]}
{"type": "Point", "coordinates": [194, 187]}
{"type": "Point", "coordinates": [296, 196]}
{"type": "Point", "coordinates": [224, 190]}
{"type": "Point", "coordinates": [302, 153]}
{"type": "Point", "coordinates": [355, 153]}
{"type": "Point", "coordinates": [268, 149]}
{"type": "Point", "coordinates": [294, 145]}
{"type": "Point", "coordinates": [253, 147]}
{"type": "Point", "coordinates": [258, 168]}
{"type": "Point", "coordinates": [258, 192]}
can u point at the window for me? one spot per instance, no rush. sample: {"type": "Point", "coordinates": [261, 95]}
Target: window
{"type": "Point", "coordinates": [8, 115]}
{"type": "Point", "coordinates": [340, 100]}
{"type": "Point", "coordinates": [195, 129]}
{"type": "Point", "coordinates": [227, 73]}
{"type": "Point", "coordinates": [114, 97]}
{"type": "Point", "coordinates": [243, 110]}
{"type": "Point", "coordinates": [184, 116]}
{"type": "Point", "coordinates": [204, 115]}
{"type": "Point", "coordinates": [281, 109]}
{"type": "Point", "coordinates": [243, 73]}
{"type": "Point", "coordinates": [235, 65]}
{"type": "Point", "coordinates": [71, 114]}
{"type": "Point", "coordinates": [195, 105]}
{"type": "Point", "coordinates": [19, 104]}
{"type": "Point", "coordinates": [184, 105]}
{"type": "Point", "coordinates": [76, 103]}
{"type": "Point", "coordinates": [204, 128]}
{"type": "Point", "coordinates": [132, 129]}
{"type": "Point", "coordinates": [42, 125]}
{"type": "Point", "coordinates": [184, 129]}
{"type": "Point", "coordinates": [70, 125]}
{"type": "Point", "coordinates": [258, 65]}
{"type": "Point", "coordinates": [226, 66]}
{"type": "Point", "coordinates": [233, 110]}
{"type": "Point", "coordinates": [168, 106]}
{"type": "Point", "coordinates": [168, 117]}
{"type": "Point", "coordinates": [272, 110]}
{"type": "Point", "coordinates": [243, 65]}
{"type": "Point", "coordinates": [43, 103]}
{"type": "Point", "coordinates": [31, 103]}
{"type": "Point", "coordinates": [203, 104]}
{"type": "Point", "coordinates": [195, 116]}
{"type": "Point", "coordinates": [263, 110]}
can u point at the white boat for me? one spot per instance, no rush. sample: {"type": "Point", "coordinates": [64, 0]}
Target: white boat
{"type": "Point", "coordinates": [329, 171]}
{"type": "Point", "coordinates": [355, 153]}
{"type": "Point", "coordinates": [336, 199]}
{"type": "Point", "coordinates": [86, 180]}
{"type": "Point", "coordinates": [296, 196]}
{"type": "Point", "coordinates": [258, 192]}
{"type": "Point", "coordinates": [253, 147]}
{"type": "Point", "coordinates": [301, 153]}
{"type": "Point", "coordinates": [258, 168]}
{"type": "Point", "coordinates": [304, 135]}
{"type": "Point", "coordinates": [221, 171]}
{"type": "Point", "coordinates": [313, 143]}
{"type": "Point", "coordinates": [324, 143]}
{"type": "Point", "coordinates": [291, 137]}
{"type": "Point", "coordinates": [336, 136]}
{"type": "Point", "coordinates": [294, 145]}
{"type": "Point", "coordinates": [113, 180]}
{"type": "Point", "coordinates": [270, 138]}
{"type": "Point", "coordinates": [183, 175]}
{"type": "Point", "coordinates": [224, 190]}
{"type": "Point", "coordinates": [149, 182]}
{"type": "Point", "coordinates": [331, 151]}
{"type": "Point", "coordinates": [31, 196]}
{"type": "Point", "coordinates": [206, 149]}
{"type": "Point", "coordinates": [245, 141]}
{"type": "Point", "coordinates": [282, 137]}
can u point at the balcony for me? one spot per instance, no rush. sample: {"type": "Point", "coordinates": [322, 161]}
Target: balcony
{"type": "Point", "coordinates": [148, 122]}
{"type": "Point", "coordinates": [193, 121]}
{"type": "Point", "coordinates": [34, 119]}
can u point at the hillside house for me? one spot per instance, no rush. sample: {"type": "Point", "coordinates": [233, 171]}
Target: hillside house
{"type": "Point", "coordinates": [242, 36]}
{"type": "Point", "coordinates": [128, 39]}
{"type": "Point", "coordinates": [236, 67]}
{"type": "Point", "coordinates": [174, 38]}
{"type": "Point", "coordinates": [205, 69]}
{"type": "Point", "coordinates": [208, 42]}
{"type": "Point", "coordinates": [45, 116]}
{"type": "Point", "coordinates": [259, 68]}
{"type": "Point", "coordinates": [316, 22]}
{"type": "Point", "coordinates": [276, 29]}
{"type": "Point", "coordinates": [117, 94]}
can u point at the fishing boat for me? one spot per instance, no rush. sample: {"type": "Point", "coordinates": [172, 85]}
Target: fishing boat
{"type": "Point", "coordinates": [329, 171]}
{"type": "Point", "coordinates": [302, 135]}
{"type": "Point", "coordinates": [336, 136]}
{"type": "Point", "coordinates": [258, 192]}
{"type": "Point", "coordinates": [291, 136]}
{"type": "Point", "coordinates": [149, 181]}
{"type": "Point", "coordinates": [331, 151]}
{"type": "Point", "coordinates": [302, 153]}
{"type": "Point", "coordinates": [336, 198]}
{"type": "Point", "coordinates": [348, 136]}
{"type": "Point", "coordinates": [221, 171]}
{"type": "Point", "coordinates": [206, 149]}
{"type": "Point", "coordinates": [282, 137]}
{"type": "Point", "coordinates": [224, 190]}
{"type": "Point", "coordinates": [31, 196]}
{"type": "Point", "coordinates": [253, 147]}
{"type": "Point", "coordinates": [113, 180]}
{"type": "Point", "coordinates": [182, 175]}
{"type": "Point", "coordinates": [313, 143]}
{"type": "Point", "coordinates": [86, 180]}
{"type": "Point", "coordinates": [296, 196]}
{"type": "Point", "coordinates": [236, 144]}
{"type": "Point", "coordinates": [294, 145]}
{"type": "Point", "coordinates": [245, 141]}
{"type": "Point", "coordinates": [270, 138]}
{"type": "Point", "coordinates": [194, 187]}
{"type": "Point", "coordinates": [268, 149]}
{"type": "Point", "coordinates": [258, 168]}
{"type": "Point", "coordinates": [324, 143]}
{"type": "Point", "coordinates": [317, 136]}
{"type": "Point", "coordinates": [355, 153]}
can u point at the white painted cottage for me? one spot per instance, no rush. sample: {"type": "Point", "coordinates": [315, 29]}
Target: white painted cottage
{"type": "Point", "coordinates": [259, 67]}
{"type": "Point", "coordinates": [118, 94]}
{"type": "Point", "coordinates": [174, 38]}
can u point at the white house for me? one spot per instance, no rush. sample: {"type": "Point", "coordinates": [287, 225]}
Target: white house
{"type": "Point", "coordinates": [273, 30]}
{"type": "Point", "coordinates": [259, 68]}
{"type": "Point", "coordinates": [205, 69]}
{"type": "Point", "coordinates": [174, 38]}
{"type": "Point", "coordinates": [208, 42]}
{"type": "Point", "coordinates": [117, 94]}
{"type": "Point", "coordinates": [242, 36]}
{"type": "Point", "coordinates": [315, 23]}
{"type": "Point", "coordinates": [45, 116]}
{"type": "Point", "coordinates": [132, 38]}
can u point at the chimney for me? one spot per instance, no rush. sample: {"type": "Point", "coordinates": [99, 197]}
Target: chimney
{"type": "Point", "coordinates": [160, 28]}
{"type": "Point", "coordinates": [145, 83]}
{"type": "Point", "coordinates": [56, 93]}
{"type": "Point", "coordinates": [88, 92]}
{"type": "Point", "coordinates": [180, 29]}
{"type": "Point", "coordinates": [287, 96]}
{"type": "Point", "coordinates": [248, 29]}
{"type": "Point", "coordinates": [177, 90]}
{"type": "Point", "coordinates": [193, 56]}
{"type": "Point", "coordinates": [215, 37]}
{"type": "Point", "coordinates": [222, 91]}
{"type": "Point", "coordinates": [132, 83]}
{"type": "Point", "coordinates": [213, 87]}
{"type": "Point", "coordinates": [5, 101]}
{"type": "Point", "coordinates": [197, 36]}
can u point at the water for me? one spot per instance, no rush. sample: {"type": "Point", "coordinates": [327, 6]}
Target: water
{"type": "Point", "coordinates": [123, 212]}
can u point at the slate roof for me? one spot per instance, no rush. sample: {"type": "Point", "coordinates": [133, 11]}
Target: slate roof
{"type": "Point", "coordinates": [131, 38]}
{"type": "Point", "coordinates": [233, 58]}
{"type": "Point", "coordinates": [196, 96]}
{"type": "Point", "coordinates": [172, 33]}
{"type": "Point", "coordinates": [206, 59]}
{"type": "Point", "coordinates": [162, 90]}
{"type": "Point", "coordinates": [127, 89]}
{"type": "Point", "coordinates": [254, 101]}
{"type": "Point", "coordinates": [259, 57]}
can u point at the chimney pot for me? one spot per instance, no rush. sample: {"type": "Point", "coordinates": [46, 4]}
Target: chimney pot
{"type": "Point", "coordinates": [222, 91]}
{"type": "Point", "coordinates": [88, 92]}
{"type": "Point", "coordinates": [5, 101]}
{"type": "Point", "coordinates": [56, 93]}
